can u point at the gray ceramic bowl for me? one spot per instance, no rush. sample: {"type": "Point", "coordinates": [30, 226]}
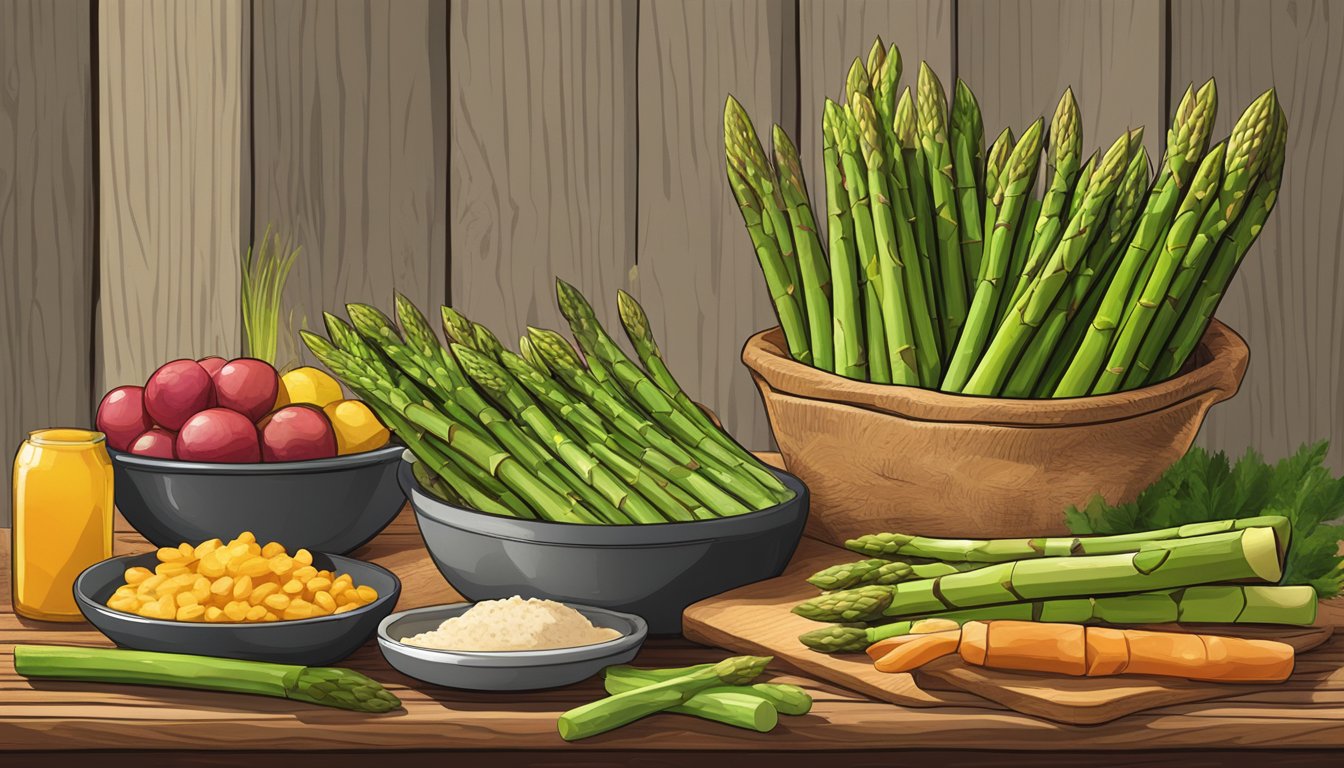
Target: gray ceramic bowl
{"type": "Point", "coordinates": [510, 670]}
{"type": "Point", "coordinates": [310, 642]}
{"type": "Point", "coordinates": [654, 571]}
{"type": "Point", "coordinates": [324, 505]}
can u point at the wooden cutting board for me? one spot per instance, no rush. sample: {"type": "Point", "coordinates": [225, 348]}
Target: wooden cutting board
{"type": "Point", "coordinates": [757, 619]}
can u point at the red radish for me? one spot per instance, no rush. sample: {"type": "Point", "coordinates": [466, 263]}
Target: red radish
{"type": "Point", "coordinates": [157, 442]}
{"type": "Point", "coordinates": [247, 386]}
{"type": "Point", "coordinates": [122, 416]}
{"type": "Point", "coordinates": [297, 433]}
{"type": "Point", "coordinates": [176, 391]}
{"type": "Point", "coordinates": [212, 364]}
{"type": "Point", "coordinates": [218, 435]}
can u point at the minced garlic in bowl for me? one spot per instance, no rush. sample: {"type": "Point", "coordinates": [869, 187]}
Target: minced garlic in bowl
{"type": "Point", "coordinates": [514, 624]}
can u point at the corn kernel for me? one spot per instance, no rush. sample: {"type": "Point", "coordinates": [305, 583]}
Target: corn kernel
{"type": "Point", "coordinates": [324, 602]}
{"type": "Point", "coordinates": [150, 584]}
{"type": "Point", "coordinates": [345, 608]}
{"type": "Point", "coordinates": [191, 613]}
{"type": "Point", "coordinates": [222, 586]}
{"type": "Point", "coordinates": [272, 549]}
{"type": "Point", "coordinates": [236, 611]}
{"type": "Point", "coordinates": [205, 548]}
{"type": "Point", "coordinates": [303, 557]}
{"type": "Point", "coordinates": [136, 575]}
{"type": "Point", "coordinates": [246, 537]}
{"type": "Point", "coordinates": [256, 612]}
{"type": "Point", "coordinates": [262, 591]}
{"type": "Point", "coordinates": [214, 614]}
{"type": "Point", "coordinates": [169, 554]}
{"type": "Point", "coordinates": [366, 594]}
{"type": "Point", "coordinates": [211, 566]}
{"type": "Point", "coordinates": [184, 599]}
{"type": "Point", "coordinates": [242, 587]}
{"type": "Point", "coordinates": [281, 564]}
{"type": "Point", "coordinates": [270, 617]}
{"type": "Point", "coordinates": [172, 569]}
{"type": "Point", "coordinates": [292, 587]}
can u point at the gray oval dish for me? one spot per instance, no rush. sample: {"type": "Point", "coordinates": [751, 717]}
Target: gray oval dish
{"type": "Point", "coordinates": [505, 670]}
{"type": "Point", "coordinates": [326, 505]}
{"type": "Point", "coordinates": [654, 571]}
{"type": "Point", "coordinates": [310, 642]}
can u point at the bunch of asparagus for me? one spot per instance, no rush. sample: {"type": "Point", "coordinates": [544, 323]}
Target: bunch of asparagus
{"type": "Point", "coordinates": [1194, 573]}
{"type": "Point", "coordinates": [541, 435]}
{"type": "Point", "coordinates": [944, 269]}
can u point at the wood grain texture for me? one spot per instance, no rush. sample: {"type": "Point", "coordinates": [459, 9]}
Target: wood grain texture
{"type": "Point", "coordinates": [1285, 298]}
{"type": "Point", "coordinates": [351, 152]}
{"type": "Point", "coordinates": [47, 229]}
{"type": "Point", "coordinates": [198, 727]}
{"type": "Point", "coordinates": [172, 81]}
{"type": "Point", "coordinates": [1019, 56]}
{"type": "Point", "coordinates": [542, 160]}
{"type": "Point", "coordinates": [831, 35]}
{"type": "Point", "coordinates": [697, 274]}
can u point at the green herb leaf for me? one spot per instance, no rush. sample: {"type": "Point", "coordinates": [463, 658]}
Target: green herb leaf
{"type": "Point", "coordinates": [1204, 486]}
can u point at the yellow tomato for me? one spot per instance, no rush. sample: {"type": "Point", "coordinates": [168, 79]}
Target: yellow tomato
{"type": "Point", "coordinates": [307, 385]}
{"type": "Point", "coordinates": [357, 429]}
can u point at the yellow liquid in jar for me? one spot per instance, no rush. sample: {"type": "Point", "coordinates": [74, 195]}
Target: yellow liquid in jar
{"type": "Point", "coordinates": [62, 519]}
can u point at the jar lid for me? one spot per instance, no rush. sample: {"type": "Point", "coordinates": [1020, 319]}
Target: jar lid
{"type": "Point", "coordinates": [66, 436]}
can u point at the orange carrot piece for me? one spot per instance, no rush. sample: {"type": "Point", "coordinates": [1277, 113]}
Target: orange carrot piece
{"type": "Point", "coordinates": [974, 636]}
{"type": "Point", "coordinates": [1107, 651]}
{"type": "Point", "coordinates": [1032, 647]}
{"type": "Point", "coordinates": [1209, 657]}
{"type": "Point", "coordinates": [920, 650]}
{"type": "Point", "coordinates": [883, 647]}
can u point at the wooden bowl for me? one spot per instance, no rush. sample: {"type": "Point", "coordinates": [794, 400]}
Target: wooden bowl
{"type": "Point", "coordinates": [878, 457]}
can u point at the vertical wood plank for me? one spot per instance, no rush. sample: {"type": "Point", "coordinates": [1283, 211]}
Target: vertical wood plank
{"type": "Point", "coordinates": [173, 175]}
{"type": "Point", "coordinates": [831, 35]}
{"type": "Point", "coordinates": [697, 275]}
{"type": "Point", "coordinates": [351, 152]}
{"type": "Point", "coordinates": [1285, 298]}
{"type": "Point", "coordinates": [542, 161]}
{"type": "Point", "coordinates": [1019, 56]}
{"type": "Point", "coordinates": [47, 210]}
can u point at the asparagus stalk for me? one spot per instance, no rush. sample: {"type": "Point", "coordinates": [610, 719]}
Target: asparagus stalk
{"type": "Point", "coordinates": [1011, 192]}
{"type": "Point", "coordinates": [1031, 215]}
{"type": "Point", "coordinates": [967, 130]}
{"type": "Point", "coordinates": [931, 112]}
{"type": "Point", "coordinates": [880, 571]}
{"type": "Point", "coordinates": [1081, 186]}
{"type": "Point", "coordinates": [457, 327]}
{"type": "Point", "coordinates": [851, 355]}
{"type": "Point", "coordinates": [1066, 149]}
{"type": "Point", "coordinates": [916, 204]}
{"type": "Point", "coordinates": [1030, 310]}
{"type": "Point", "coordinates": [327, 686]}
{"type": "Point", "coordinates": [637, 328]}
{"type": "Point", "coordinates": [899, 304]}
{"type": "Point", "coordinates": [780, 275]}
{"type": "Point", "coordinates": [1226, 259]}
{"type": "Point", "coordinates": [1008, 550]}
{"type": "Point", "coordinates": [1295, 605]}
{"type": "Point", "coordinates": [1186, 141]}
{"type": "Point", "coordinates": [1248, 154]}
{"type": "Point", "coordinates": [865, 236]}
{"type": "Point", "coordinates": [624, 708]}
{"type": "Point", "coordinates": [1249, 554]}
{"type": "Point", "coordinates": [1197, 202]}
{"type": "Point", "coordinates": [784, 699]}
{"type": "Point", "coordinates": [995, 162]}
{"type": "Point", "coordinates": [812, 268]}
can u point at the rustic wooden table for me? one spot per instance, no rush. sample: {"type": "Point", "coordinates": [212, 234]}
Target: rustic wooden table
{"type": "Point", "coordinates": [53, 724]}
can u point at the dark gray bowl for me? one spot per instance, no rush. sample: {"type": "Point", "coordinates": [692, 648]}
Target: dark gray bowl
{"type": "Point", "coordinates": [324, 505]}
{"type": "Point", "coordinates": [505, 670]}
{"type": "Point", "coordinates": [653, 571]}
{"type": "Point", "coordinates": [310, 642]}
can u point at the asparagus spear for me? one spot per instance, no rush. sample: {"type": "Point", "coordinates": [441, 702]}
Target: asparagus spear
{"type": "Point", "coordinates": [937, 155]}
{"type": "Point", "coordinates": [624, 708]}
{"type": "Point", "coordinates": [328, 686]}
{"type": "Point", "coordinates": [1080, 303]}
{"type": "Point", "coordinates": [1248, 154]}
{"type": "Point", "coordinates": [1226, 259]}
{"type": "Point", "coordinates": [1080, 187]}
{"type": "Point", "coordinates": [1030, 310]}
{"type": "Point", "coordinates": [457, 327]}
{"type": "Point", "coordinates": [880, 571]}
{"type": "Point", "coordinates": [637, 328]}
{"type": "Point", "coordinates": [1295, 605]}
{"type": "Point", "coordinates": [816, 278]}
{"type": "Point", "coordinates": [1177, 246]}
{"type": "Point", "coordinates": [1066, 149]}
{"type": "Point", "coordinates": [967, 130]}
{"type": "Point", "coordinates": [1011, 192]}
{"type": "Point", "coordinates": [784, 699]}
{"type": "Point", "coordinates": [916, 205]}
{"type": "Point", "coordinates": [1249, 554]}
{"type": "Point", "coordinates": [779, 277]}
{"type": "Point", "coordinates": [1186, 141]}
{"type": "Point", "coordinates": [1031, 215]}
{"type": "Point", "coordinates": [851, 354]}
{"type": "Point", "coordinates": [897, 302]}
{"type": "Point", "coordinates": [995, 161]}
{"type": "Point", "coordinates": [865, 237]}
{"type": "Point", "coordinates": [600, 347]}
{"type": "Point", "coordinates": [1007, 550]}
{"type": "Point", "coordinates": [501, 386]}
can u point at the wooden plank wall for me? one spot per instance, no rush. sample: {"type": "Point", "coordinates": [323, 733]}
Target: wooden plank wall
{"type": "Point", "coordinates": [47, 227]}
{"type": "Point", "coordinates": [471, 151]}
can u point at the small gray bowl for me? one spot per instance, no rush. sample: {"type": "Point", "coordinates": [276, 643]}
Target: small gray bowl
{"type": "Point", "coordinates": [505, 670]}
{"type": "Point", "coordinates": [654, 571]}
{"type": "Point", "coordinates": [310, 642]}
{"type": "Point", "coordinates": [324, 505]}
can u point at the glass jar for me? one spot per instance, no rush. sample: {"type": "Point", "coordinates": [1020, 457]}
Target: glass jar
{"type": "Point", "coordinates": [62, 519]}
